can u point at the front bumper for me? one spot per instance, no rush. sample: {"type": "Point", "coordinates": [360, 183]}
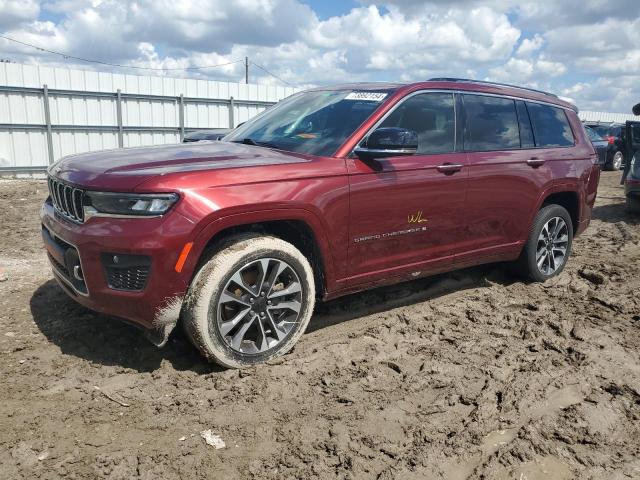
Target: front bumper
{"type": "Point", "coordinates": [156, 307]}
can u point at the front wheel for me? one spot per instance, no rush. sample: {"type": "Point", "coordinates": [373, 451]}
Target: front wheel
{"type": "Point", "coordinates": [549, 244]}
{"type": "Point", "coordinates": [250, 302]}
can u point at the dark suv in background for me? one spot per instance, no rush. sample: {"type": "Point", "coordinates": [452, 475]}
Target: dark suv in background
{"type": "Point", "coordinates": [613, 133]}
{"type": "Point", "coordinates": [631, 175]}
{"type": "Point", "coordinates": [600, 145]}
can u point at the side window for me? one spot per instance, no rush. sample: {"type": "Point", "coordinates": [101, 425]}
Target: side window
{"type": "Point", "coordinates": [526, 132]}
{"type": "Point", "coordinates": [491, 123]}
{"type": "Point", "coordinates": [432, 117]}
{"type": "Point", "coordinates": [550, 126]}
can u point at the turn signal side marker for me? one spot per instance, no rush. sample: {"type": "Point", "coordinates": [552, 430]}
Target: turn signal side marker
{"type": "Point", "coordinates": [183, 256]}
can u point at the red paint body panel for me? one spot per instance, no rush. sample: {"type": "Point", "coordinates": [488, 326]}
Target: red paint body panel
{"type": "Point", "coordinates": [381, 201]}
{"type": "Point", "coordinates": [478, 214]}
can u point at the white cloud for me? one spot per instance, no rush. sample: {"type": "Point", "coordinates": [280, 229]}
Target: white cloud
{"type": "Point", "coordinates": [530, 45]}
{"type": "Point", "coordinates": [17, 12]}
{"type": "Point", "coordinates": [568, 48]}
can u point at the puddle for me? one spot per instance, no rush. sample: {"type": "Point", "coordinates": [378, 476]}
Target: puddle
{"type": "Point", "coordinates": [495, 440]}
{"type": "Point", "coordinates": [542, 468]}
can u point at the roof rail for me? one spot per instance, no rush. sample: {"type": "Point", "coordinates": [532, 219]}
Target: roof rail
{"type": "Point", "coordinates": [468, 80]}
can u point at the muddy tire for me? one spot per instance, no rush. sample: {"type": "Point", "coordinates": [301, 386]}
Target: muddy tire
{"type": "Point", "coordinates": [633, 204]}
{"type": "Point", "coordinates": [250, 302]}
{"type": "Point", "coordinates": [548, 246]}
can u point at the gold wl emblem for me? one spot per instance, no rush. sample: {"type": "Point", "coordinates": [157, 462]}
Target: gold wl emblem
{"type": "Point", "coordinates": [416, 217]}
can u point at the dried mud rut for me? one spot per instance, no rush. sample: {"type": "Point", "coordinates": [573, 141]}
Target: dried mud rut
{"type": "Point", "coordinates": [472, 374]}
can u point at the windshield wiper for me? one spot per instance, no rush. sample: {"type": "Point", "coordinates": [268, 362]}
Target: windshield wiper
{"type": "Point", "coordinates": [251, 141]}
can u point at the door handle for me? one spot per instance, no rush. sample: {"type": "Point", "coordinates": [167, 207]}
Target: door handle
{"type": "Point", "coordinates": [535, 162]}
{"type": "Point", "coordinates": [449, 168]}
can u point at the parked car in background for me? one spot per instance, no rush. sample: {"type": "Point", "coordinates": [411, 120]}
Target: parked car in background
{"type": "Point", "coordinates": [331, 191]}
{"type": "Point", "coordinates": [199, 135]}
{"type": "Point", "coordinates": [613, 133]}
{"type": "Point", "coordinates": [600, 145]}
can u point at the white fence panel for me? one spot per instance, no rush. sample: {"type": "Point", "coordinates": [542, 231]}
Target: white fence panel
{"type": "Point", "coordinates": [606, 117]}
{"type": "Point", "coordinates": [84, 111]}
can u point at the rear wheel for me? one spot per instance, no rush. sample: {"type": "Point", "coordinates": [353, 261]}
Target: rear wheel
{"type": "Point", "coordinates": [250, 302]}
{"type": "Point", "coordinates": [549, 244]}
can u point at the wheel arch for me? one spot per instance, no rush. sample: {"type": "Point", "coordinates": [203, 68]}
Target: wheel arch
{"type": "Point", "coordinates": [569, 200]}
{"type": "Point", "coordinates": [298, 227]}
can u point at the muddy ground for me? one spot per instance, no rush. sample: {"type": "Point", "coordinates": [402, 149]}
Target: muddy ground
{"type": "Point", "coordinates": [473, 374]}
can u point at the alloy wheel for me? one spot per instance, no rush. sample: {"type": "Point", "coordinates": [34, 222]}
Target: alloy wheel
{"type": "Point", "coordinates": [259, 306]}
{"type": "Point", "coordinates": [617, 160]}
{"type": "Point", "coordinates": [553, 242]}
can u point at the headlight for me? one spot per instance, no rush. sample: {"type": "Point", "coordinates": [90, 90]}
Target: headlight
{"type": "Point", "coordinates": [127, 204]}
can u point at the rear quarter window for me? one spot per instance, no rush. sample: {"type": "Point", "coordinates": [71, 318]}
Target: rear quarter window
{"type": "Point", "coordinates": [550, 126]}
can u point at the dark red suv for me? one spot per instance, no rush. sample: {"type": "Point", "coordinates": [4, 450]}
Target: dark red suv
{"type": "Point", "coordinates": [331, 191]}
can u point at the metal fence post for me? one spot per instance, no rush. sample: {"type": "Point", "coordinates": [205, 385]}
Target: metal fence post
{"type": "Point", "coordinates": [181, 112]}
{"type": "Point", "coordinates": [232, 122]}
{"type": "Point", "coordinates": [47, 121]}
{"type": "Point", "coordinates": [119, 118]}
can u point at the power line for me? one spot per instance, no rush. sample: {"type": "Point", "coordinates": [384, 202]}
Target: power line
{"type": "Point", "coordinates": [269, 73]}
{"type": "Point", "coordinates": [119, 65]}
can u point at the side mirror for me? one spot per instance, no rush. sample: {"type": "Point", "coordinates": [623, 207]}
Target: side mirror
{"type": "Point", "coordinates": [636, 109]}
{"type": "Point", "coordinates": [388, 142]}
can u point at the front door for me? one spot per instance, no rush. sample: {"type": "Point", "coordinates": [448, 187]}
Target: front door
{"type": "Point", "coordinates": [406, 214]}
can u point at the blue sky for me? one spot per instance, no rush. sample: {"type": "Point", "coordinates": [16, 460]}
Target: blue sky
{"type": "Point", "coordinates": [331, 8]}
{"type": "Point", "coordinates": [585, 50]}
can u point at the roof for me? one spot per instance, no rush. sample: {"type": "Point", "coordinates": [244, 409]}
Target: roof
{"type": "Point", "coordinates": [457, 84]}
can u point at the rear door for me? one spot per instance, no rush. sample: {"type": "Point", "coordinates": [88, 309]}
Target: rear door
{"type": "Point", "coordinates": [407, 211]}
{"type": "Point", "coordinates": [507, 173]}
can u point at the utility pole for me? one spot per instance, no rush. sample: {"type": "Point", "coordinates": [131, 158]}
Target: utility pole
{"type": "Point", "coordinates": [246, 69]}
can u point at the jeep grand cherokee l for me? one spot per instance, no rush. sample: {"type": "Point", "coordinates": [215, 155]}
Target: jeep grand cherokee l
{"type": "Point", "coordinates": [331, 191]}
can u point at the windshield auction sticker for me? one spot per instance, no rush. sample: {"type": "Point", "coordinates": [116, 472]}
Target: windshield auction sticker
{"type": "Point", "coordinates": [367, 96]}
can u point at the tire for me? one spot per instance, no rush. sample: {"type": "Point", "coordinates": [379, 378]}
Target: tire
{"type": "Point", "coordinates": [528, 263]}
{"type": "Point", "coordinates": [215, 301]}
{"type": "Point", "coordinates": [633, 204]}
{"type": "Point", "coordinates": [616, 161]}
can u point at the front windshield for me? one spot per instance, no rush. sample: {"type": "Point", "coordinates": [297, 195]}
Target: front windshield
{"type": "Point", "coordinates": [314, 122]}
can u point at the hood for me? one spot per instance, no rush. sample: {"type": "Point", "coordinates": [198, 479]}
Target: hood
{"type": "Point", "coordinates": [124, 169]}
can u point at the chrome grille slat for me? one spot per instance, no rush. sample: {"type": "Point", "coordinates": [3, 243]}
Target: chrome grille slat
{"type": "Point", "coordinates": [67, 200]}
{"type": "Point", "coordinates": [59, 188]}
{"type": "Point", "coordinates": [77, 202]}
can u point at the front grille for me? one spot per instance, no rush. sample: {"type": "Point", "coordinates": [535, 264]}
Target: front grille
{"type": "Point", "coordinates": [67, 200]}
{"type": "Point", "coordinates": [128, 278]}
